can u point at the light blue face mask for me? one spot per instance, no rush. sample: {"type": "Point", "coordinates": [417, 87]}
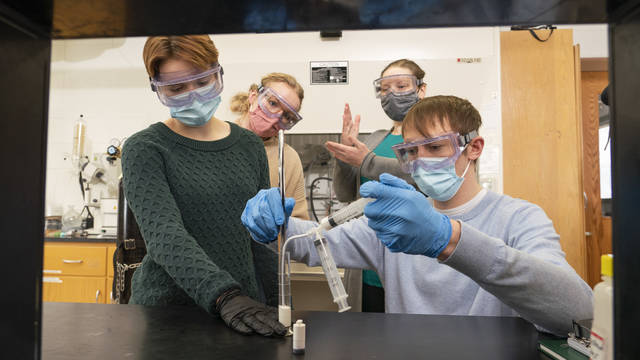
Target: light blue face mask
{"type": "Point", "coordinates": [440, 184]}
{"type": "Point", "coordinates": [196, 114]}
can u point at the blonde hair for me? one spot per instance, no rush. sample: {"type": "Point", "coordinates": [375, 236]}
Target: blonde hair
{"type": "Point", "coordinates": [198, 50]}
{"type": "Point", "coordinates": [240, 101]}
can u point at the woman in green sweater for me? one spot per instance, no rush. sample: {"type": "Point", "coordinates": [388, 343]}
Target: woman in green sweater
{"type": "Point", "coordinates": [187, 180]}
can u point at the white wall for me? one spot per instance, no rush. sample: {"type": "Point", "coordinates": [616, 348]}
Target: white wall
{"type": "Point", "coordinates": [105, 80]}
{"type": "Point", "coordinates": [593, 39]}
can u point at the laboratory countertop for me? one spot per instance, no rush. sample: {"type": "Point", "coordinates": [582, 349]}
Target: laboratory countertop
{"type": "Point", "coordinates": [84, 239]}
{"type": "Point", "coordinates": [94, 331]}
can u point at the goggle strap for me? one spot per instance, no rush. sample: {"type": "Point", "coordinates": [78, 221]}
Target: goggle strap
{"type": "Point", "coordinates": [466, 139]}
{"type": "Point", "coordinates": [153, 87]}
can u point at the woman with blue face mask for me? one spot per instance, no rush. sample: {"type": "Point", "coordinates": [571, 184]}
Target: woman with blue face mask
{"type": "Point", "coordinates": [187, 180]}
{"type": "Point", "coordinates": [400, 86]}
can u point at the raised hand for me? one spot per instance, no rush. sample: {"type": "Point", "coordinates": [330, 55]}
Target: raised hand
{"type": "Point", "coordinates": [350, 128]}
{"type": "Point", "coordinates": [350, 150]}
{"type": "Point", "coordinates": [353, 155]}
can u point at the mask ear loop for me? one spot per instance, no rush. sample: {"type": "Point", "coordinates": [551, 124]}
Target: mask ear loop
{"type": "Point", "coordinates": [256, 101]}
{"type": "Point", "coordinates": [468, 163]}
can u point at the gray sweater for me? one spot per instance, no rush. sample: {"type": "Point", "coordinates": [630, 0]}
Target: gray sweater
{"type": "Point", "coordinates": [508, 262]}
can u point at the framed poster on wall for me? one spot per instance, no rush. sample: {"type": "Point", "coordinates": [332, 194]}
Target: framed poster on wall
{"type": "Point", "coordinates": [329, 72]}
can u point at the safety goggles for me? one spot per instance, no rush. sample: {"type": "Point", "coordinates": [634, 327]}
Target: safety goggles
{"type": "Point", "coordinates": [274, 106]}
{"type": "Point", "coordinates": [182, 88]}
{"type": "Point", "coordinates": [397, 84]}
{"type": "Point", "coordinates": [432, 153]}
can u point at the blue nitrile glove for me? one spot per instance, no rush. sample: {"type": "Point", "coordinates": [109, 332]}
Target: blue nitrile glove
{"type": "Point", "coordinates": [403, 218]}
{"type": "Point", "coordinates": [263, 214]}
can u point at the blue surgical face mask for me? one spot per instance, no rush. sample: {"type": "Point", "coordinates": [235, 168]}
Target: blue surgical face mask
{"type": "Point", "coordinates": [441, 184]}
{"type": "Point", "coordinates": [196, 114]}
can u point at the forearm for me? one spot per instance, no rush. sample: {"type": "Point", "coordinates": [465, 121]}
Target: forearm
{"type": "Point", "coordinates": [265, 261]}
{"type": "Point", "coordinates": [353, 245]}
{"type": "Point", "coordinates": [181, 257]}
{"type": "Point", "coordinates": [373, 166]}
{"type": "Point", "coordinates": [344, 181]}
{"type": "Point", "coordinates": [300, 209]}
{"type": "Point", "coordinates": [547, 294]}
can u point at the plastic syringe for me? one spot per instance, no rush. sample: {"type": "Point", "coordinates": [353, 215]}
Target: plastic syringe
{"type": "Point", "coordinates": [351, 211]}
{"type": "Point", "coordinates": [331, 273]}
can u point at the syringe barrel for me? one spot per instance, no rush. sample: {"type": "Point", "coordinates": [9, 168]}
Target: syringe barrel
{"type": "Point", "coordinates": [331, 272]}
{"type": "Point", "coordinates": [351, 211]}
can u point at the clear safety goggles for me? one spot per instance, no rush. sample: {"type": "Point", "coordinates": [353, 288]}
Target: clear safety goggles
{"type": "Point", "coordinates": [397, 84]}
{"type": "Point", "coordinates": [182, 88]}
{"type": "Point", "coordinates": [276, 107]}
{"type": "Point", "coordinates": [432, 153]}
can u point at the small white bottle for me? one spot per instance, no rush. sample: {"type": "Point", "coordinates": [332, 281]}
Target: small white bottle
{"type": "Point", "coordinates": [299, 329]}
{"type": "Point", "coordinates": [602, 328]}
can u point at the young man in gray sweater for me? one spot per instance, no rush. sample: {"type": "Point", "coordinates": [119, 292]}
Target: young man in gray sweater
{"type": "Point", "coordinates": [468, 252]}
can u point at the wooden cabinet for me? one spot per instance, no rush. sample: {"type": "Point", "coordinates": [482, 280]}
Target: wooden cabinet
{"type": "Point", "coordinates": [84, 289]}
{"type": "Point", "coordinates": [110, 250]}
{"type": "Point", "coordinates": [77, 272]}
{"type": "Point", "coordinates": [109, 290]}
{"type": "Point", "coordinates": [75, 259]}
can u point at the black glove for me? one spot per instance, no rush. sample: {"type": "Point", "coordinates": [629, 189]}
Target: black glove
{"type": "Point", "coordinates": [245, 315]}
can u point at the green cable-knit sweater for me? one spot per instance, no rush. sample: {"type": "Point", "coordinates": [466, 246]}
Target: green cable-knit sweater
{"type": "Point", "coordinates": [187, 197]}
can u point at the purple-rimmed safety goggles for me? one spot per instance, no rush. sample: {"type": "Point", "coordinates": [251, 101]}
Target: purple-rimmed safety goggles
{"type": "Point", "coordinates": [182, 88]}
{"type": "Point", "coordinates": [275, 106]}
{"type": "Point", "coordinates": [400, 84]}
{"type": "Point", "coordinates": [432, 153]}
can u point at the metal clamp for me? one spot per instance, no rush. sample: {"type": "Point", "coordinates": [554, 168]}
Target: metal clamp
{"type": "Point", "coordinates": [129, 244]}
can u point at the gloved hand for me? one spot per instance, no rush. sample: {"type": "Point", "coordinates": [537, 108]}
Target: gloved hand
{"type": "Point", "coordinates": [403, 218]}
{"type": "Point", "coordinates": [263, 214]}
{"type": "Point", "coordinates": [245, 315]}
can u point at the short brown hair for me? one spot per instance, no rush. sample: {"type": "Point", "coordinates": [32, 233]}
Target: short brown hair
{"type": "Point", "coordinates": [460, 113]}
{"type": "Point", "coordinates": [199, 50]}
{"type": "Point", "coordinates": [240, 101]}
{"type": "Point", "coordinates": [415, 69]}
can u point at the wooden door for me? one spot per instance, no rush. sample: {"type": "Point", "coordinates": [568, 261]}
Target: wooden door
{"type": "Point", "coordinates": [542, 134]}
{"type": "Point", "coordinates": [594, 79]}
